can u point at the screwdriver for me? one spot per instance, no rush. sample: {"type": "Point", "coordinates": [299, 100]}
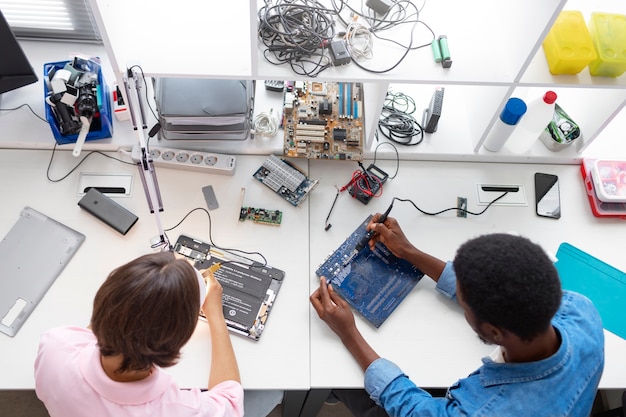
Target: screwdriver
{"type": "Point", "coordinates": [363, 242]}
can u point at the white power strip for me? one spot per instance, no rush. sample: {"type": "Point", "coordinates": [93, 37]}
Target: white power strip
{"type": "Point", "coordinates": [189, 160]}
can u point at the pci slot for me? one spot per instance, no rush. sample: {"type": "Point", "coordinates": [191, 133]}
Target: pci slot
{"type": "Point", "coordinates": [340, 108]}
{"type": "Point", "coordinates": [349, 100]}
{"type": "Point", "coordinates": [316, 139]}
{"type": "Point", "coordinates": [310, 133]}
{"type": "Point", "coordinates": [311, 127]}
{"type": "Point", "coordinates": [313, 122]}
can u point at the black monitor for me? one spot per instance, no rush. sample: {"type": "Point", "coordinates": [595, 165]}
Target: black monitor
{"type": "Point", "coordinates": [15, 69]}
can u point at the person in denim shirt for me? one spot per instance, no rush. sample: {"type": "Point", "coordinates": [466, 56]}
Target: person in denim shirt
{"type": "Point", "coordinates": [550, 343]}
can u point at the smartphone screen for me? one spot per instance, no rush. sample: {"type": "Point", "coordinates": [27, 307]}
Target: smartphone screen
{"type": "Point", "coordinates": [547, 195]}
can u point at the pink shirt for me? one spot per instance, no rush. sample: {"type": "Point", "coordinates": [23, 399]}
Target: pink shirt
{"type": "Point", "coordinates": [70, 381]}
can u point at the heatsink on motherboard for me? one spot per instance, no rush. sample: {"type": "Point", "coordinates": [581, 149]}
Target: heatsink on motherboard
{"type": "Point", "coordinates": [285, 180]}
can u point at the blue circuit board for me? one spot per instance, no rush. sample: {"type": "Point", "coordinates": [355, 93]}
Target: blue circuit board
{"type": "Point", "coordinates": [374, 282]}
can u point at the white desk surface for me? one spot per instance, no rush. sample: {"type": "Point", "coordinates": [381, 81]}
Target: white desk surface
{"type": "Point", "coordinates": [280, 359]}
{"type": "Point", "coordinates": [427, 335]}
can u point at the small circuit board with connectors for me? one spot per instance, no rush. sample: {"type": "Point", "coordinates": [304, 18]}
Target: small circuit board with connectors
{"type": "Point", "coordinates": [323, 120]}
{"type": "Point", "coordinates": [260, 215]}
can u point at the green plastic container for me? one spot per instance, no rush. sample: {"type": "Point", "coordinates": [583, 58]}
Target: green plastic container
{"type": "Point", "coordinates": [608, 32]}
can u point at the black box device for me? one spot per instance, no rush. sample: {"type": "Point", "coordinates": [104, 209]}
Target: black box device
{"type": "Point", "coordinates": [107, 210]}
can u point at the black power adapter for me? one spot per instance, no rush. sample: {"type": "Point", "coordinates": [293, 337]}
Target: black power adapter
{"type": "Point", "coordinates": [368, 184]}
{"type": "Point", "coordinates": [339, 53]}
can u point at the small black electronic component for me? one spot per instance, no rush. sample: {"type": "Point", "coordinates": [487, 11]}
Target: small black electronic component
{"type": "Point", "coordinates": [367, 185]}
{"type": "Point", "coordinates": [260, 215]}
{"type": "Point", "coordinates": [339, 134]}
{"type": "Point", "coordinates": [379, 6]}
{"type": "Point", "coordinates": [433, 112]}
{"type": "Point", "coordinates": [325, 107]}
{"type": "Point", "coordinates": [339, 53]}
{"type": "Point", "coordinates": [461, 207]}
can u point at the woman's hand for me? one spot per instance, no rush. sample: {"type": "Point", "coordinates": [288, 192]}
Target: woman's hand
{"type": "Point", "coordinates": [212, 306]}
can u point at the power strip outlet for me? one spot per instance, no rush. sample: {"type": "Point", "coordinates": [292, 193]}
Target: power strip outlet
{"type": "Point", "coordinates": [212, 163]}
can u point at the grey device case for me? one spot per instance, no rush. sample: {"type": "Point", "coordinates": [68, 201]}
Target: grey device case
{"type": "Point", "coordinates": [32, 255]}
{"type": "Point", "coordinates": [108, 210]}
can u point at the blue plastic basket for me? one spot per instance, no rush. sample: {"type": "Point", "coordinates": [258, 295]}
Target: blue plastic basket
{"type": "Point", "coordinates": [105, 128]}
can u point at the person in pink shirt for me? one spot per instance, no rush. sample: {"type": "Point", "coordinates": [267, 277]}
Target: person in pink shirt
{"type": "Point", "coordinates": [143, 314]}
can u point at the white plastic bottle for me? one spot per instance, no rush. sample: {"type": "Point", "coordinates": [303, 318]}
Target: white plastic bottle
{"type": "Point", "coordinates": [538, 115]}
{"type": "Point", "coordinates": [505, 125]}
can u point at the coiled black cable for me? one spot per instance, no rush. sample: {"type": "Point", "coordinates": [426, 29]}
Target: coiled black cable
{"type": "Point", "coordinates": [396, 121]}
{"type": "Point", "coordinates": [296, 32]}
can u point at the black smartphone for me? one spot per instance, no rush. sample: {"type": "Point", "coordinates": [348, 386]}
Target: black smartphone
{"type": "Point", "coordinates": [547, 195]}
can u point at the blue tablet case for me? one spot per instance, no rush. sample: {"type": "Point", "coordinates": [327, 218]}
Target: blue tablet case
{"type": "Point", "coordinates": [375, 282]}
{"type": "Point", "coordinates": [600, 282]}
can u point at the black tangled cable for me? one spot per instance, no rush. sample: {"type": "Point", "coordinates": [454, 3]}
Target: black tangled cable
{"type": "Point", "coordinates": [396, 122]}
{"type": "Point", "coordinates": [296, 32]}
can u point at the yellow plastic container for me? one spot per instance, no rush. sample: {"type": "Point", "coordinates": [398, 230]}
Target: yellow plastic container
{"type": "Point", "coordinates": [608, 33]}
{"type": "Point", "coordinates": [568, 45]}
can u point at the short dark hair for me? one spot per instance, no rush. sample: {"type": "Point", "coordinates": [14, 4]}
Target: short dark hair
{"type": "Point", "coordinates": [509, 282]}
{"type": "Point", "coordinates": [147, 310]}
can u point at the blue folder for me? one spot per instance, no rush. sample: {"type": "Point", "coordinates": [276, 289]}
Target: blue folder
{"type": "Point", "coordinates": [600, 282]}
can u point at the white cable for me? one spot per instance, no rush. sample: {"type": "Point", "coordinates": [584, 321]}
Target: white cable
{"type": "Point", "coordinates": [359, 41]}
{"type": "Point", "coordinates": [265, 124]}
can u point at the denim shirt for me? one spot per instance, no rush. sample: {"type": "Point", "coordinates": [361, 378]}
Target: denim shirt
{"type": "Point", "coordinates": [563, 384]}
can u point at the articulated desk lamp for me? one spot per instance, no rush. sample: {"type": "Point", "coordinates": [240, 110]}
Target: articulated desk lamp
{"type": "Point", "coordinates": [133, 84]}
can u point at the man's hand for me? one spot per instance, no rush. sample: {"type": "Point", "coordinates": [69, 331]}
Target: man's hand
{"type": "Point", "coordinates": [336, 313]}
{"type": "Point", "coordinates": [333, 309]}
{"type": "Point", "coordinates": [391, 235]}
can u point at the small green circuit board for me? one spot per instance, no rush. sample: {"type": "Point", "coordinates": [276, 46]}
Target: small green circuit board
{"type": "Point", "coordinates": [259, 215]}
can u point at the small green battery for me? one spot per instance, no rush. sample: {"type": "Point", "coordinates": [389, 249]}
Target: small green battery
{"type": "Point", "coordinates": [443, 46]}
{"type": "Point", "coordinates": [436, 50]}
{"type": "Point", "coordinates": [446, 61]}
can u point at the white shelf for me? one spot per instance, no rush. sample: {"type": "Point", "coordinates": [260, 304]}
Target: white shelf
{"type": "Point", "coordinates": [481, 46]}
{"type": "Point", "coordinates": [180, 38]}
{"type": "Point", "coordinates": [496, 48]}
